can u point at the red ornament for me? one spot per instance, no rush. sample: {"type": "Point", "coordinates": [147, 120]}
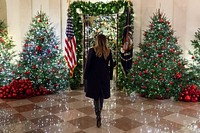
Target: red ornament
{"type": "Point", "coordinates": [172, 50]}
{"type": "Point", "coordinates": [159, 55]}
{"type": "Point", "coordinates": [56, 47]}
{"type": "Point", "coordinates": [167, 89]}
{"type": "Point", "coordinates": [152, 71]}
{"type": "Point", "coordinates": [42, 38]}
{"type": "Point", "coordinates": [143, 87]}
{"type": "Point", "coordinates": [161, 20]}
{"type": "Point", "coordinates": [9, 95]}
{"type": "Point", "coordinates": [28, 91]}
{"type": "Point", "coordinates": [34, 67]}
{"type": "Point", "coordinates": [38, 93]}
{"type": "Point", "coordinates": [7, 90]}
{"type": "Point", "coordinates": [135, 62]}
{"type": "Point", "coordinates": [194, 99]}
{"type": "Point", "coordinates": [145, 71]}
{"type": "Point", "coordinates": [38, 48]}
{"type": "Point", "coordinates": [27, 73]}
{"type": "Point", "coordinates": [145, 33]}
{"type": "Point", "coordinates": [14, 95]}
{"type": "Point", "coordinates": [193, 57]}
{"type": "Point", "coordinates": [180, 98]}
{"type": "Point", "coordinates": [1, 39]}
{"type": "Point", "coordinates": [48, 51]}
{"type": "Point", "coordinates": [187, 98]}
{"type": "Point", "coordinates": [39, 20]}
{"type": "Point", "coordinates": [21, 89]}
{"type": "Point", "coordinates": [1, 95]}
{"type": "Point", "coordinates": [193, 87]}
{"type": "Point", "coordinates": [178, 75]}
{"type": "Point", "coordinates": [140, 73]}
{"type": "Point", "coordinates": [25, 45]}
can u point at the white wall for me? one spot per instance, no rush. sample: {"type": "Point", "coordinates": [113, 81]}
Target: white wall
{"type": "Point", "coordinates": [183, 14]}
{"type": "Point", "coordinates": [3, 13]}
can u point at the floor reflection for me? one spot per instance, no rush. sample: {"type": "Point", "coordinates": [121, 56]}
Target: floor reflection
{"type": "Point", "coordinates": [72, 112]}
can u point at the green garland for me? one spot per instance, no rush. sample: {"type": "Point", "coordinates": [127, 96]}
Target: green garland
{"type": "Point", "coordinates": [95, 9]}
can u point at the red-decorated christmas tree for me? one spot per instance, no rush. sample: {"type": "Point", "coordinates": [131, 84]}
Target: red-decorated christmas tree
{"type": "Point", "coordinates": [41, 60]}
{"type": "Point", "coordinates": [158, 70]}
{"type": "Point", "coordinates": [195, 59]}
{"type": "Point", "coordinates": [191, 92]}
{"type": "Point", "coordinates": [6, 56]}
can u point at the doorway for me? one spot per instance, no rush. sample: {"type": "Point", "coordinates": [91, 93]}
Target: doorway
{"type": "Point", "coordinates": [102, 24]}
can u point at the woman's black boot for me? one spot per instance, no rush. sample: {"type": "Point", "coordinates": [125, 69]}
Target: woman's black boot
{"type": "Point", "coordinates": [97, 107]}
{"type": "Point", "coordinates": [98, 119]}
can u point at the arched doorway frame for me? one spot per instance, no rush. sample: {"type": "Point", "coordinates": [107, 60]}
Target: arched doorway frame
{"type": "Point", "coordinates": [78, 9]}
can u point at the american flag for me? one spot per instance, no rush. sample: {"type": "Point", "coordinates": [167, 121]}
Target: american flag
{"type": "Point", "coordinates": [70, 46]}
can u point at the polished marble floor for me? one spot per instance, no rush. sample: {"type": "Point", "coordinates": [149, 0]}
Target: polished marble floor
{"type": "Point", "coordinates": [72, 112]}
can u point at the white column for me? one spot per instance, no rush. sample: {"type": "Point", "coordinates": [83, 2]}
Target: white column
{"type": "Point", "coordinates": [13, 19]}
{"type": "Point", "coordinates": [38, 5]}
{"type": "Point", "coordinates": [64, 8]}
{"type": "Point", "coordinates": [3, 10]}
{"type": "Point", "coordinates": [137, 23]}
{"type": "Point", "coordinates": [55, 16]}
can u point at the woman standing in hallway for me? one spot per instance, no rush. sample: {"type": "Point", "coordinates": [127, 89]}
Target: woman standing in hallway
{"type": "Point", "coordinates": [98, 73]}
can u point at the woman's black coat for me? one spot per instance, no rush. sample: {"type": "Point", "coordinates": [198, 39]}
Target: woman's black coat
{"type": "Point", "coordinates": [97, 75]}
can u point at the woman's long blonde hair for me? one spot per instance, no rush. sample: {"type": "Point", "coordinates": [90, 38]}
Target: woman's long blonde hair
{"type": "Point", "coordinates": [101, 47]}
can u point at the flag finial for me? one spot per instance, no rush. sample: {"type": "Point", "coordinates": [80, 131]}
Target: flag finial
{"type": "Point", "coordinates": [68, 3]}
{"type": "Point", "coordinates": [128, 2]}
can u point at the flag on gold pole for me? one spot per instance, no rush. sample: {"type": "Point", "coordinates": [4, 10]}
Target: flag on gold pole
{"type": "Point", "coordinates": [70, 44]}
{"type": "Point", "coordinates": [127, 43]}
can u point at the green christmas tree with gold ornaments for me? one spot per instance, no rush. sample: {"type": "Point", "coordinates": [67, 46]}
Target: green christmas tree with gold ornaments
{"type": "Point", "coordinates": [41, 60]}
{"type": "Point", "coordinates": [158, 70]}
{"type": "Point", "coordinates": [6, 56]}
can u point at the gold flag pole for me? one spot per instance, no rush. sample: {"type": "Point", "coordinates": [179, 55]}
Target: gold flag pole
{"type": "Point", "coordinates": [68, 2]}
{"type": "Point", "coordinates": [128, 2]}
